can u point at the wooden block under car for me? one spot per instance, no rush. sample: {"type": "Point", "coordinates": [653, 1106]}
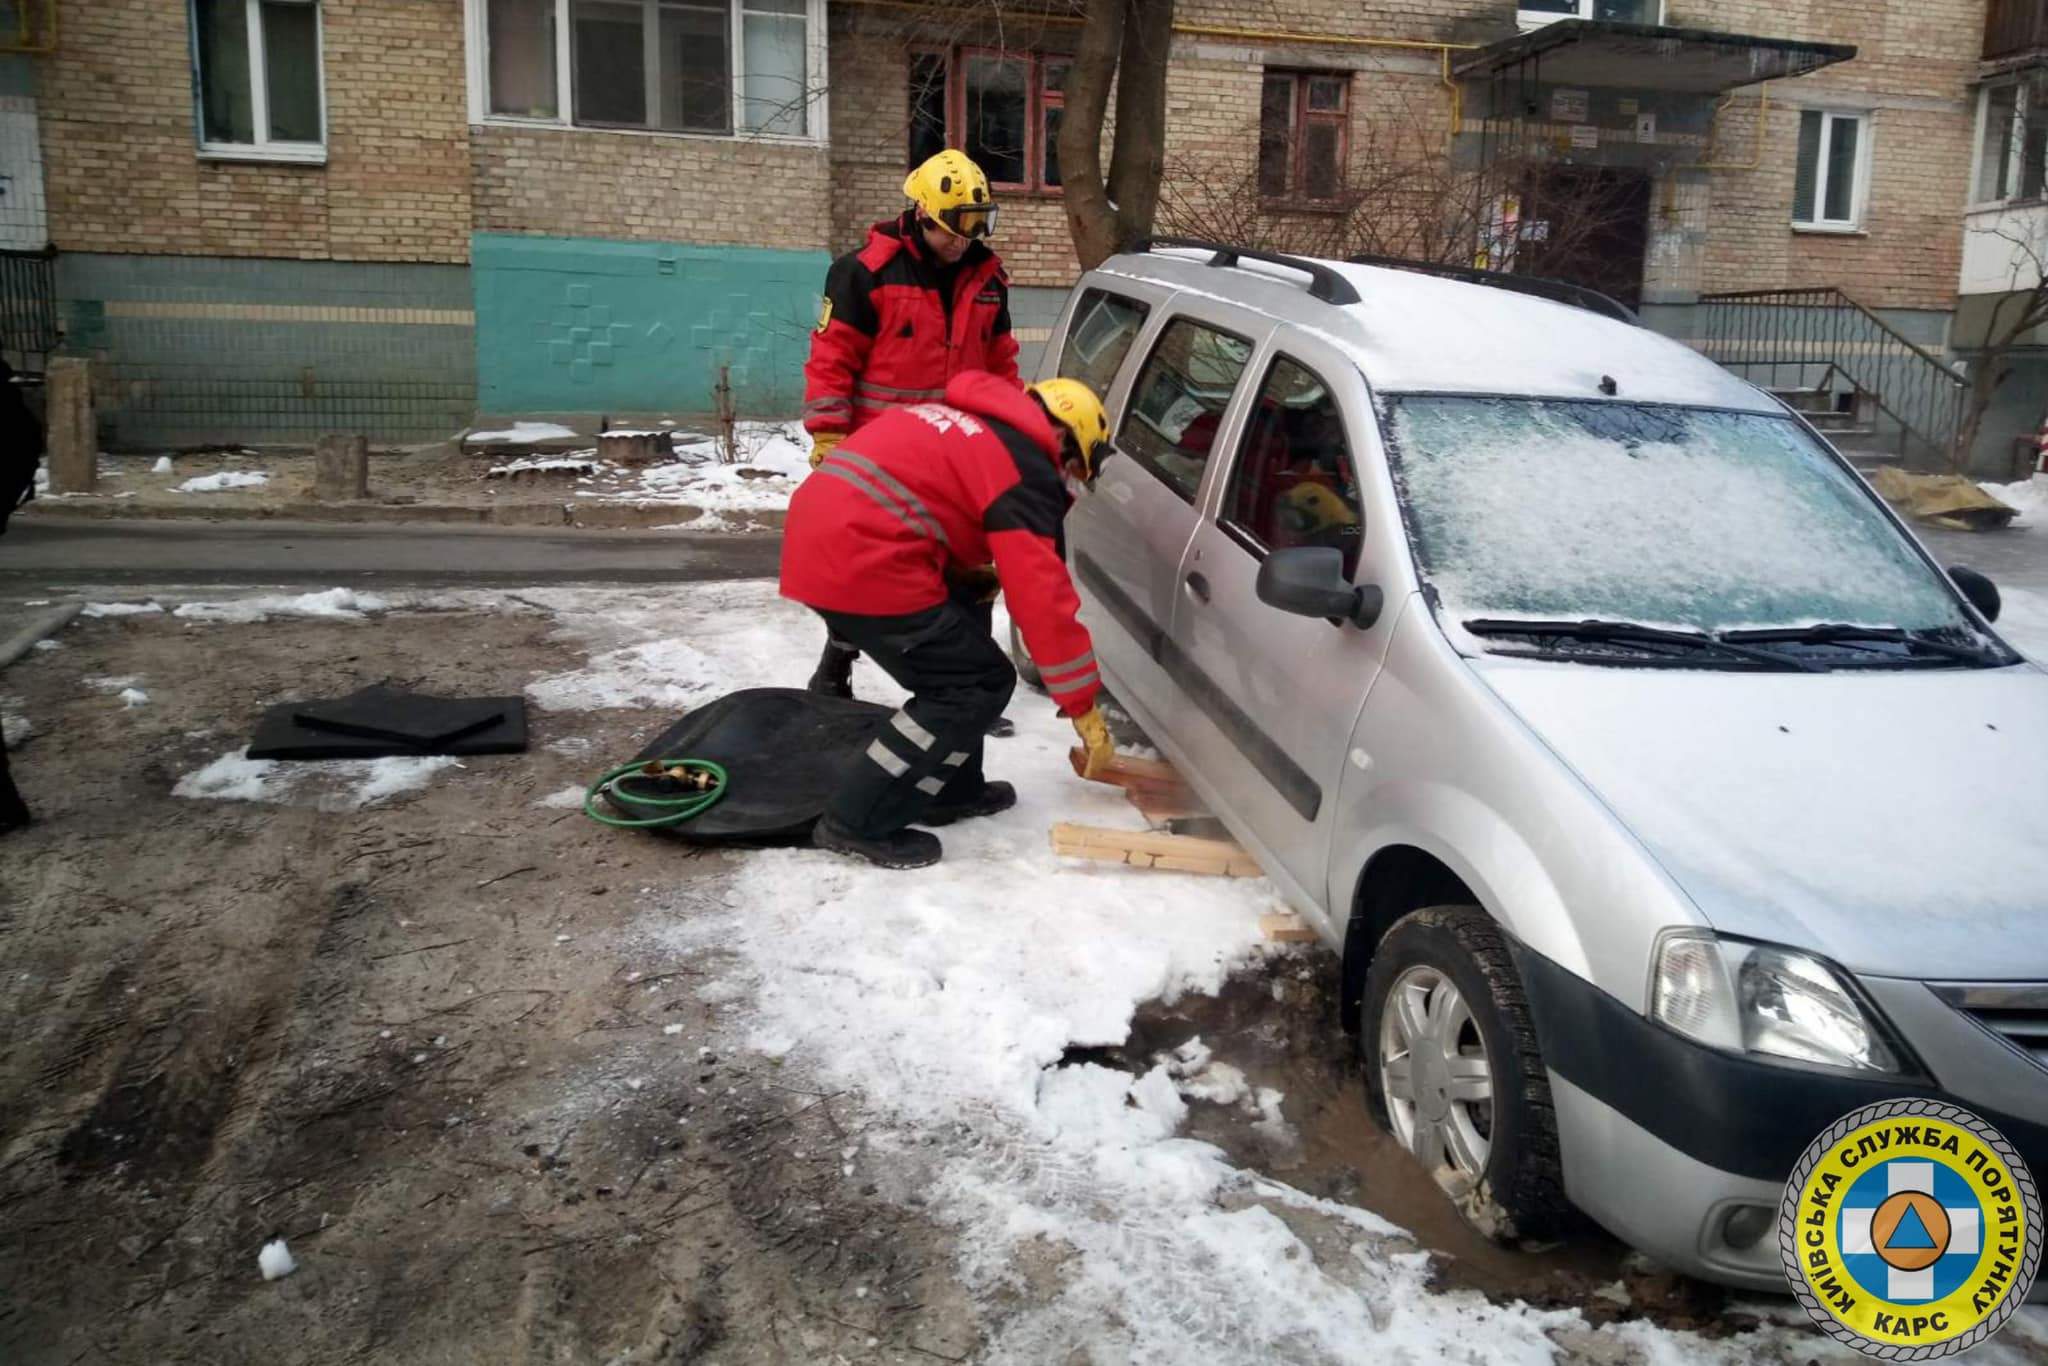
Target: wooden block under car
{"type": "Point", "coordinates": [1147, 849]}
{"type": "Point", "coordinates": [1286, 928]}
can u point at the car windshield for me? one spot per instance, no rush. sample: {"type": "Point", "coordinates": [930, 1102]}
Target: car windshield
{"type": "Point", "coordinates": [1684, 518]}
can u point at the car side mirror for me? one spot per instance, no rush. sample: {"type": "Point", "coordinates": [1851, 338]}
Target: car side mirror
{"type": "Point", "coordinates": [1308, 580]}
{"type": "Point", "coordinates": [1981, 591]}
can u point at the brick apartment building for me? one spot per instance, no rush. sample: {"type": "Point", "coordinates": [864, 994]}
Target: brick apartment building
{"type": "Point", "coordinates": [266, 219]}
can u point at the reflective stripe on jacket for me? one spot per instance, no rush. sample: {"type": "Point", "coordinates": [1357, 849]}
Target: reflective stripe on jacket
{"type": "Point", "coordinates": [961, 483]}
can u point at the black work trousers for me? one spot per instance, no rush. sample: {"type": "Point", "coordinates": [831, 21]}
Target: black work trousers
{"type": "Point", "coordinates": [959, 681]}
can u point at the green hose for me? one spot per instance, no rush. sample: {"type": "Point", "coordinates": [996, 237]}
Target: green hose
{"type": "Point", "coordinates": [676, 809]}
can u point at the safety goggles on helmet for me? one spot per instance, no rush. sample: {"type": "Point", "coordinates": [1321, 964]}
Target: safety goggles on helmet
{"type": "Point", "coordinates": [972, 221]}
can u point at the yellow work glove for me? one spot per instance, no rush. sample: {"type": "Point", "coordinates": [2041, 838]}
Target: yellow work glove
{"type": "Point", "coordinates": [1094, 733]}
{"type": "Point", "coordinates": [822, 444]}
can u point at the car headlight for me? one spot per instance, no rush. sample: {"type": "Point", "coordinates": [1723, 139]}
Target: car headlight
{"type": "Point", "coordinates": [1756, 998]}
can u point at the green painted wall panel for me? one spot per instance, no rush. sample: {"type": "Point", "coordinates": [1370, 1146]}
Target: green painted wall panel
{"type": "Point", "coordinates": [571, 325]}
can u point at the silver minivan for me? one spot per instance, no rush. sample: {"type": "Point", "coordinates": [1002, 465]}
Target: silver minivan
{"type": "Point", "coordinates": [1664, 799]}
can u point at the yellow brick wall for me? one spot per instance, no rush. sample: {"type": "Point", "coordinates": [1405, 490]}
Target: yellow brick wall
{"type": "Point", "coordinates": [123, 173]}
{"type": "Point", "coordinates": [650, 187]}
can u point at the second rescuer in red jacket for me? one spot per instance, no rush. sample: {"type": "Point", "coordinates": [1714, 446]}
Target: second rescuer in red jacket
{"type": "Point", "coordinates": [923, 301]}
{"type": "Point", "coordinates": [868, 544]}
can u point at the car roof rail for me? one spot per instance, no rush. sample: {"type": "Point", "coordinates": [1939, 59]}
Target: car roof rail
{"type": "Point", "coordinates": [1324, 283]}
{"type": "Point", "coordinates": [1541, 287]}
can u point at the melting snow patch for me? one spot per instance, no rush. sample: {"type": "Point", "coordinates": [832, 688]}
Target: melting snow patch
{"type": "Point", "coordinates": [564, 799]}
{"type": "Point", "coordinates": [133, 697]}
{"type": "Point", "coordinates": [120, 609]}
{"type": "Point", "coordinates": [363, 782]}
{"type": "Point", "coordinates": [275, 1260]}
{"type": "Point", "coordinates": [339, 604]}
{"type": "Point", "coordinates": [521, 433]}
{"type": "Point", "coordinates": [226, 479]}
{"type": "Point", "coordinates": [2030, 496]}
{"type": "Point", "coordinates": [110, 684]}
{"type": "Point", "coordinates": [566, 464]}
{"type": "Point", "coordinates": [49, 645]}
{"type": "Point", "coordinates": [162, 465]}
{"type": "Point", "coordinates": [15, 728]}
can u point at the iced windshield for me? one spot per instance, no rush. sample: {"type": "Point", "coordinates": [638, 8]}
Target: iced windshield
{"type": "Point", "coordinates": [1563, 510]}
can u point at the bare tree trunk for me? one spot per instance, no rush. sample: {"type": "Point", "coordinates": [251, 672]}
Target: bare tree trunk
{"type": "Point", "coordinates": [1123, 43]}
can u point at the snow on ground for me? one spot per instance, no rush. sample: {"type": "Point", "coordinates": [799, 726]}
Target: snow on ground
{"type": "Point", "coordinates": [162, 465]}
{"type": "Point", "coordinates": [14, 727]}
{"type": "Point", "coordinates": [773, 458]}
{"type": "Point", "coordinates": [133, 697]}
{"type": "Point", "coordinates": [339, 604]}
{"type": "Point", "coordinates": [946, 999]}
{"type": "Point", "coordinates": [2030, 496]}
{"type": "Point", "coordinates": [226, 479]}
{"type": "Point", "coordinates": [563, 799]}
{"type": "Point", "coordinates": [337, 784]}
{"type": "Point", "coordinates": [560, 464]}
{"type": "Point", "coordinates": [521, 433]}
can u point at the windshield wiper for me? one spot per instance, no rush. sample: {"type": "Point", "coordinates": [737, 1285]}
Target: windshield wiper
{"type": "Point", "coordinates": [1634, 633]}
{"type": "Point", "coordinates": [1845, 633]}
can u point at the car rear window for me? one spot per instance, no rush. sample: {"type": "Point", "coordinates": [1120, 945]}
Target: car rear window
{"type": "Point", "coordinates": [1103, 329]}
{"type": "Point", "coordinates": [1177, 405]}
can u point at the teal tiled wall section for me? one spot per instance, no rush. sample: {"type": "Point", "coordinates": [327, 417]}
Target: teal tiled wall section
{"type": "Point", "coordinates": [581, 325]}
{"type": "Point", "coordinates": [196, 350]}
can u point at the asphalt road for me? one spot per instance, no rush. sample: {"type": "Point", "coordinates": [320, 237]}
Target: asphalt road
{"type": "Point", "coordinates": [49, 558]}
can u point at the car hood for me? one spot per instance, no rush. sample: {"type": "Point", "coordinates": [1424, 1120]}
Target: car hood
{"type": "Point", "coordinates": [1895, 822]}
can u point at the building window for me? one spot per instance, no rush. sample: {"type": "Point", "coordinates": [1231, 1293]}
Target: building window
{"type": "Point", "coordinates": [2012, 144]}
{"type": "Point", "coordinates": [718, 67]}
{"type": "Point", "coordinates": [259, 86]}
{"type": "Point", "coordinates": [1535, 13]}
{"type": "Point", "coordinates": [1304, 131]}
{"type": "Point", "coordinates": [1001, 108]}
{"type": "Point", "coordinates": [1828, 186]}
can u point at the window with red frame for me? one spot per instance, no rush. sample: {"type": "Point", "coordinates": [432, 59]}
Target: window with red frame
{"type": "Point", "coordinates": [1001, 108]}
{"type": "Point", "coordinates": [1304, 134]}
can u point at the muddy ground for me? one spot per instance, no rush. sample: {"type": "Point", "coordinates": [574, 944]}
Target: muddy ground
{"type": "Point", "coordinates": [377, 1033]}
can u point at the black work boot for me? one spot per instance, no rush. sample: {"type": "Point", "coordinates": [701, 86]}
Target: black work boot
{"type": "Point", "coordinates": [13, 810]}
{"type": "Point", "coordinates": [904, 849]}
{"type": "Point", "coordinates": [1002, 728]}
{"type": "Point", "coordinates": [994, 797]}
{"type": "Point", "coordinates": [834, 676]}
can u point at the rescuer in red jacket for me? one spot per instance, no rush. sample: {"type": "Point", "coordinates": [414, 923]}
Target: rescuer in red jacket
{"type": "Point", "coordinates": [923, 301]}
{"type": "Point", "coordinates": [917, 494]}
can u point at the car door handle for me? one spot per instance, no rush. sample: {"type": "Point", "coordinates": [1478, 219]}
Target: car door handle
{"type": "Point", "coordinates": [1198, 585]}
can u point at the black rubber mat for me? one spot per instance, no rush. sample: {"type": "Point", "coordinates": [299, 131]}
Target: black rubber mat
{"type": "Point", "coordinates": [380, 722]}
{"type": "Point", "coordinates": [382, 712]}
{"type": "Point", "coordinates": [783, 751]}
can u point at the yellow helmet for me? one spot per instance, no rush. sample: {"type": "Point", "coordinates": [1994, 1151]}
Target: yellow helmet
{"type": "Point", "coordinates": [950, 190]}
{"type": "Point", "coordinates": [1074, 406]}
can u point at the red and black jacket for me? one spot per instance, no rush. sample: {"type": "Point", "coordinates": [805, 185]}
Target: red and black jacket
{"type": "Point", "coordinates": [959, 484]}
{"type": "Point", "coordinates": [891, 335]}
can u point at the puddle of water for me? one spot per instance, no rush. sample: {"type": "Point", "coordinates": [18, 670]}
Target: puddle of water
{"type": "Point", "coordinates": [1279, 1028]}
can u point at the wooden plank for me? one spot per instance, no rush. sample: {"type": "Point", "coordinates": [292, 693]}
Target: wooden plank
{"type": "Point", "coordinates": [1129, 771]}
{"type": "Point", "coordinates": [1150, 849]}
{"type": "Point", "coordinates": [1286, 928]}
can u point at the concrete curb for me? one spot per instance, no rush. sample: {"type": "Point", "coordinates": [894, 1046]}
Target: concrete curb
{"type": "Point", "coordinates": [45, 624]}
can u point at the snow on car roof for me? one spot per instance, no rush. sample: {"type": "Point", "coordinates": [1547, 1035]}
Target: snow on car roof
{"type": "Point", "coordinates": [1412, 333]}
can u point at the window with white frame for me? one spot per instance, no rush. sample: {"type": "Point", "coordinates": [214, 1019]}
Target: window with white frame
{"type": "Point", "coordinates": [721, 67]}
{"type": "Point", "coordinates": [1534, 13]}
{"type": "Point", "coordinates": [2012, 144]}
{"type": "Point", "coordinates": [259, 89]}
{"type": "Point", "coordinates": [1834, 158]}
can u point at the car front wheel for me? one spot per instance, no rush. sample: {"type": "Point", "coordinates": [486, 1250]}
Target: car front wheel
{"type": "Point", "coordinates": [1453, 1070]}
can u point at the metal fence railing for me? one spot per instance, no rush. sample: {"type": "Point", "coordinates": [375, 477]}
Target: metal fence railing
{"type": "Point", "coordinates": [28, 307]}
{"type": "Point", "coordinates": [1800, 338]}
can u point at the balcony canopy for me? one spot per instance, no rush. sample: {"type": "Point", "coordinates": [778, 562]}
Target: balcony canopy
{"type": "Point", "coordinates": [1603, 54]}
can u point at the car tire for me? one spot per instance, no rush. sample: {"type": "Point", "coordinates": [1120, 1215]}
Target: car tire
{"type": "Point", "coordinates": [1514, 1189]}
{"type": "Point", "coordinates": [1021, 657]}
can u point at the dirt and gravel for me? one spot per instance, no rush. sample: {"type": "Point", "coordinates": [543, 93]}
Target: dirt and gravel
{"type": "Point", "coordinates": [388, 1034]}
